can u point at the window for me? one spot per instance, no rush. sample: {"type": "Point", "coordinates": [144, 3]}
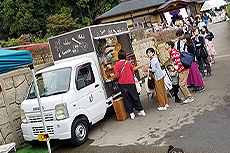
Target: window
{"type": "Point", "coordinates": [85, 76]}
{"type": "Point", "coordinates": [51, 83]}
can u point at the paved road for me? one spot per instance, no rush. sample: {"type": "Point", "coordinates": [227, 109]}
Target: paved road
{"type": "Point", "coordinates": [201, 126]}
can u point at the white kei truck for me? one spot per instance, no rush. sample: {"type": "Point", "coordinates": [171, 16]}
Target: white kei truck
{"type": "Point", "coordinates": [77, 90]}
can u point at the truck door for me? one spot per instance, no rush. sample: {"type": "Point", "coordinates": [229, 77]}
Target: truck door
{"type": "Point", "coordinates": [90, 93]}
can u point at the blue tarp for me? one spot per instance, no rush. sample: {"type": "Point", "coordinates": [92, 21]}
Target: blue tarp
{"type": "Point", "coordinates": [13, 59]}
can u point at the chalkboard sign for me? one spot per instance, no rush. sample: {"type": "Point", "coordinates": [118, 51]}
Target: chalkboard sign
{"type": "Point", "coordinates": [71, 44]}
{"type": "Point", "coordinates": [109, 29]}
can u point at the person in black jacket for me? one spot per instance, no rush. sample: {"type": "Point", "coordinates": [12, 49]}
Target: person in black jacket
{"type": "Point", "coordinates": [194, 79]}
{"type": "Point", "coordinates": [201, 52]}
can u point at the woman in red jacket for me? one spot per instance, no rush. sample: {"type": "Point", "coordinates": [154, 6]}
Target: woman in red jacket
{"type": "Point", "coordinates": [124, 71]}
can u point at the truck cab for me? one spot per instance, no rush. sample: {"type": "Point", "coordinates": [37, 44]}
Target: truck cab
{"type": "Point", "coordinates": [72, 99]}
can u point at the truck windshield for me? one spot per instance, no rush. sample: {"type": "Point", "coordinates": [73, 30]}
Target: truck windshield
{"type": "Point", "coordinates": [51, 83]}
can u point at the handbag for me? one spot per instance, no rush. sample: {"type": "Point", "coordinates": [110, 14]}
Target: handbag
{"type": "Point", "coordinates": [202, 52]}
{"type": "Point", "coordinates": [151, 82]}
{"type": "Point", "coordinates": [138, 86]}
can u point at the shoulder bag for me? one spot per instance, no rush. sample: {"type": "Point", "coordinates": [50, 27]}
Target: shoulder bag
{"type": "Point", "coordinates": [151, 81]}
{"type": "Point", "coordinates": [186, 59]}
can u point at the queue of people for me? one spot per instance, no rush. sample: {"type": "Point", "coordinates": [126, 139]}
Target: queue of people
{"type": "Point", "coordinates": [195, 41]}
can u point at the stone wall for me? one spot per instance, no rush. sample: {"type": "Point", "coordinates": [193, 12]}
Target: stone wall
{"type": "Point", "coordinates": [140, 47]}
{"type": "Point", "coordinates": [15, 85]}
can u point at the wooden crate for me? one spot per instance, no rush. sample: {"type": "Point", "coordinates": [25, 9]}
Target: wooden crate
{"type": "Point", "coordinates": [120, 110]}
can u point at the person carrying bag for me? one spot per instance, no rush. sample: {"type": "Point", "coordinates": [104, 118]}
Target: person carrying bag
{"type": "Point", "coordinates": [124, 71]}
{"type": "Point", "coordinates": [201, 52]}
{"type": "Point", "coordinates": [151, 81]}
{"type": "Point", "coordinates": [158, 76]}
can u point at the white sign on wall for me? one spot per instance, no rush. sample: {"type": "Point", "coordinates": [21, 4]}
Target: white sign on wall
{"type": "Point", "coordinates": [168, 17]}
{"type": "Point", "coordinates": [183, 13]}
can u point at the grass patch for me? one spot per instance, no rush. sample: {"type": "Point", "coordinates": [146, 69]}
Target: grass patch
{"type": "Point", "coordinates": [40, 149]}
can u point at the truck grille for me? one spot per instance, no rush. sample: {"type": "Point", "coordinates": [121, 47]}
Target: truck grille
{"type": "Point", "coordinates": [40, 129]}
{"type": "Point", "coordinates": [38, 118]}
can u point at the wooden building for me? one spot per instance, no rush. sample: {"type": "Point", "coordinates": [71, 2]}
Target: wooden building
{"type": "Point", "coordinates": [145, 13]}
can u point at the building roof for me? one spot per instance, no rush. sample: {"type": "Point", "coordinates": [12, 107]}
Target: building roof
{"type": "Point", "coordinates": [134, 5]}
{"type": "Point", "coordinates": [131, 5]}
{"type": "Point", "coordinates": [200, 1]}
{"type": "Point", "coordinates": [171, 1]}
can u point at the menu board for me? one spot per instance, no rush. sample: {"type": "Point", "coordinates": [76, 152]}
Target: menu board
{"type": "Point", "coordinates": [109, 29]}
{"type": "Point", "coordinates": [71, 44]}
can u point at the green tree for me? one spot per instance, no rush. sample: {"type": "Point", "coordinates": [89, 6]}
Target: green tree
{"type": "Point", "coordinates": [61, 23]}
{"type": "Point", "coordinates": [19, 17]}
{"type": "Point", "coordinates": [90, 9]}
{"type": "Point", "coordinates": [26, 16]}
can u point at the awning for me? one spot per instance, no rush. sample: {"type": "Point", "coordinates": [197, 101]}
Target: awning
{"type": "Point", "coordinates": [13, 59]}
{"type": "Point", "coordinates": [213, 4]}
{"type": "Point", "coordinates": [206, 6]}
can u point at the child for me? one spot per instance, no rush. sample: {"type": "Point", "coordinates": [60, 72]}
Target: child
{"type": "Point", "coordinates": [173, 73]}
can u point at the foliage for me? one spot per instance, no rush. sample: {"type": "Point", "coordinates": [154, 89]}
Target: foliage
{"type": "Point", "coordinates": [90, 9]}
{"type": "Point", "coordinates": [40, 40]}
{"type": "Point", "coordinates": [3, 44]}
{"type": "Point", "coordinates": [228, 13]}
{"type": "Point", "coordinates": [61, 23]}
{"type": "Point", "coordinates": [19, 17]}
{"type": "Point", "coordinates": [13, 42]}
{"type": "Point", "coordinates": [24, 40]}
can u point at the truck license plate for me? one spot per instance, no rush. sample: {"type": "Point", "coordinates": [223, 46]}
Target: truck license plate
{"type": "Point", "coordinates": [41, 137]}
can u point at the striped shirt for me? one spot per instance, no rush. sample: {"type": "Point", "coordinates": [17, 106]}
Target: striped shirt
{"type": "Point", "coordinates": [175, 57]}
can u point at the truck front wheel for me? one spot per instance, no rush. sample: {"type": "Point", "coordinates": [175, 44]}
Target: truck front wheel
{"type": "Point", "coordinates": [79, 132]}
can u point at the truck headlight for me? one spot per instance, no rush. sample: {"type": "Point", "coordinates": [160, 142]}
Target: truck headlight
{"type": "Point", "coordinates": [23, 116]}
{"type": "Point", "coordinates": [61, 111]}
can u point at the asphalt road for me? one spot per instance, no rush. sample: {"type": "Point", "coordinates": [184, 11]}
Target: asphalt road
{"type": "Point", "coordinates": [199, 127]}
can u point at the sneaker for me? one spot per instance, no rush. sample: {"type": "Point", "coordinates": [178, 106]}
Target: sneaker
{"type": "Point", "coordinates": [161, 108]}
{"type": "Point", "coordinates": [201, 89]}
{"type": "Point", "coordinates": [142, 113]}
{"type": "Point", "coordinates": [132, 116]}
{"type": "Point", "coordinates": [188, 100]}
{"type": "Point", "coordinates": [167, 105]}
{"type": "Point", "coordinates": [208, 75]}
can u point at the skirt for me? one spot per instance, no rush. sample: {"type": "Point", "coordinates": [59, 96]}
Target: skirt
{"type": "Point", "coordinates": [210, 47]}
{"type": "Point", "coordinates": [194, 76]}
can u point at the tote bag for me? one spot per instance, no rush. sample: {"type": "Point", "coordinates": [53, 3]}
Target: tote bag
{"type": "Point", "coordinates": [151, 82]}
{"type": "Point", "coordinates": [186, 59]}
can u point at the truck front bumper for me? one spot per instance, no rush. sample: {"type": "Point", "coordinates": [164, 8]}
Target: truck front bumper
{"type": "Point", "coordinates": [56, 129]}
